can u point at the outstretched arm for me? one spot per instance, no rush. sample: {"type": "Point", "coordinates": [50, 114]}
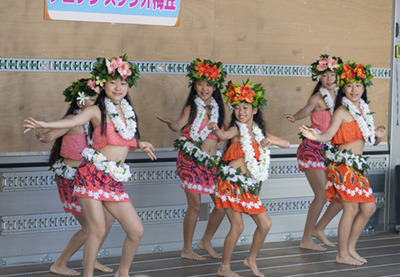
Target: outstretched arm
{"type": "Point", "coordinates": [52, 134]}
{"type": "Point", "coordinates": [379, 133]}
{"type": "Point", "coordinates": [304, 112]}
{"type": "Point", "coordinates": [326, 136]}
{"type": "Point", "coordinates": [273, 140]}
{"type": "Point", "coordinates": [223, 135]}
{"type": "Point", "coordinates": [66, 123]}
{"type": "Point", "coordinates": [177, 125]}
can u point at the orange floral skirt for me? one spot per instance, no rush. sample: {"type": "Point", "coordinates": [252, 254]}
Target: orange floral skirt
{"type": "Point", "coordinates": [228, 195]}
{"type": "Point", "coordinates": [348, 184]}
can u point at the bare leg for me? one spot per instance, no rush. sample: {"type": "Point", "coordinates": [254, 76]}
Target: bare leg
{"type": "Point", "coordinates": [333, 209]}
{"type": "Point", "coordinates": [215, 219]}
{"type": "Point", "coordinates": [236, 220]}
{"type": "Point", "coordinates": [263, 226]}
{"type": "Point", "coordinates": [109, 222]}
{"type": "Point", "coordinates": [317, 180]}
{"type": "Point", "coordinates": [350, 210]}
{"type": "Point", "coordinates": [362, 218]}
{"type": "Point", "coordinates": [94, 215]}
{"type": "Point", "coordinates": [76, 242]}
{"type": "Point", "coordinates": [189, 225]}
{"type": "Point", "coordinates": [127, 216]}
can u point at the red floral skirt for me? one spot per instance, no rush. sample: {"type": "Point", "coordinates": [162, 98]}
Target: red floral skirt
{"type": "Point", "coordinates": [195, 179]}
{"type": "Point", "coordinates": [69, 202]}
{"type": "Point", "coordinates": [348, 184]}
{"type": "Point", "coordinates": [228, 195]}
{"type": "Point", "coordinates": [98, 185]}
{"type": "Point", "coordinates": [309, 155]}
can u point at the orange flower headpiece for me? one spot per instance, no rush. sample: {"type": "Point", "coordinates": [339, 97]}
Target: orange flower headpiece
{"type": "Point", "coordinates": [248, 93]}
{"type": "Point", "coordinates": [353, 72]}
{"type": "Point", "coordinates": [206, 71]}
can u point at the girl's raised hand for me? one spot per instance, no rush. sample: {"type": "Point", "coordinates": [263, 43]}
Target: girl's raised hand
{"type": "Point", "coordinates": [38, 134]}
{"type": "Point", "coordinates": [288, 117]}
{"type": "Point", "coordinates": [147, 148]}
{"type": "Point", "coordinates": [266, 142]}
{"type": "Point", "coordinates": [212, 126]}
{"type": "Point", "coordinates": [31, 124]}
{"type": "Point", "coordinates": [309, 133]}
{"type": "Point", "coordinates": [380, 131]}
{"type": "Point", "coordinates": [165, 120]}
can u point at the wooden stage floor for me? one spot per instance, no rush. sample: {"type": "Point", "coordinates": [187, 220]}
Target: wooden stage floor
{"type": "Point", "coordinates": [275, 259]}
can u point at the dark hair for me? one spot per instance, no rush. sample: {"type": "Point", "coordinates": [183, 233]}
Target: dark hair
{"type": "Point", "coordinates": [193, 110]}
{"type": "Point", "coordinates": [341, 93]}
{"type": "Point", "coordinates": [55, 150]}
{"type": "Point", "coordinates": [101, 104]}
{"type": "Point", "coordinates": [257, 118]}
{"type": "Point", "coordinates": [317, 88]}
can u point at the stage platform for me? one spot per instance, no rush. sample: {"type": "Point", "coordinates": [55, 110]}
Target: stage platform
{"type": "Point", "coordinates": [275, 259]}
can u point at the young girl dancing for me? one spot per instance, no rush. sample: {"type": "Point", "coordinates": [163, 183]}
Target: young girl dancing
{"type": "Point", "coordinates": [65, 157]}
{"type": "Point", "coordinates": [245, 165]}
{"type": "Point", "coordinates": [198, 156]}
{"type": "Point", "coordinates": [351, 127]}
{"type": "Point", "coordinates": [100, 176]}
{"type": "Point", "coordinates": [309, 154]}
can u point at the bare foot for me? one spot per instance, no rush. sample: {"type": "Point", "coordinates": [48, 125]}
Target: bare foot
{"type": "Point", "coordinates": [347, 260]}
{"type": "Point", "coordinates": [253, 267]}
{"type": "Point", "coordinates": [321, 236]}
{"type": "Point", "coordinates": [311, 245]}
{"type": "Point", "coordinates": [102, 268]}
{"type": "Point", "coordinates": [209, 249]}
{"type": "Point", "coordinates": [225, 270]}
{"type": "Point", "coordinates": [192, 256]}
{"type": "Point", "coordinates": [355, 255]}
{"type": "Point", "coordinates": [63, 270]}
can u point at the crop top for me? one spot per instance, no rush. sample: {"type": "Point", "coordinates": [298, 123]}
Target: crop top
{"type": "Point", "coordinates": [235, 151]}
{"type": "Point", "coordinates": [320, 120]}
{"type": "Point", "coordinates": [347, 132]}
{"type": "Point", "coordinates": [72, 146]}
{"type": "Point", "coordinates": [111, 137]}
{"type": "Point", "coordinates": [204, 123]}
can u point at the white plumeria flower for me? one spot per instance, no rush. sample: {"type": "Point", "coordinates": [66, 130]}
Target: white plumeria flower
{"type": "Point", "coordinates": [82, 97]}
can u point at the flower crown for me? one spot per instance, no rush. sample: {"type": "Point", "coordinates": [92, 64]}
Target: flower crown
{"type": "Point", "coordinates": [80, 91]}
{"type": "Point", "coordinates": [324, 64]}
{"type": "Point", "coordinates": [248, 93]}
{"type": "Point", "coordinates": [116, 67]}
{"type": "Point", "coordinates": [350, 72]}
{"type": "Point", "coordinates": [206, 71]}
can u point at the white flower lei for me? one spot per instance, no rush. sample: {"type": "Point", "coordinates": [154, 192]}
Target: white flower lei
{"type": "Point", "coordinates": [201, 112]}
{"type": "Point", "coordinates": [127, 131]}
{"type": "Point", "coordinates": [62, 170]}
{"type": "Point", "coordinates": [333, 154]}
{"type": "Point", "coordinates": [326, 96]}
{"type": "Point", "coordinates": [258, 170]}
{"type": "Point", "coordinates": [199, 156]}
{"type": "Point", "coordinates": [118, 173]}
{"type": "Point", "coordinates": [231, 174]}
{"type": "Point", "coordinates": [365, 120]}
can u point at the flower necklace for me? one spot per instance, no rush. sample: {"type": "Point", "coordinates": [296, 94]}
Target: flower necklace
{"type": "Point", "coordinates": [365, 120]}
{"type": "Point", "coordinates": [86, 127]}
{"type": "Point", "coordinates": [127, 131]}
{"type": "Point", "coordinates": [326, 96]}
{"type": "Point", "coordinates": [258, 170]}
{"type": "Point", "coordinates": [201, 112]}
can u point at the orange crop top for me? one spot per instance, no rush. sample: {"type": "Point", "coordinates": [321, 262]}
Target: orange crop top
{"type": "Point", "coordinates": [320, 120]}
{"type": "Point", "coordinates": [111, 137]}
{"type": "Point", "coordinates": [347, 132]}
{"type": "Point", "coordinates": [72, 146]}
{"type": "Point", "coordinates": [235, 151]}
{"type": "Point", "coordinates": [204, 123]}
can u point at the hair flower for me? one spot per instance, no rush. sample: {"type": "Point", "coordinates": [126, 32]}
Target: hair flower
{"type": "Point", "coordinates": [206, 70]}
{"type": "Point", "coordinates": [350, 72]}
{"type": "Point", "coordinates": [248, 93]}
{"type": "Point", "coordinates": [80, 90]}
{"type": "Point", "coordinates": [324, 64]}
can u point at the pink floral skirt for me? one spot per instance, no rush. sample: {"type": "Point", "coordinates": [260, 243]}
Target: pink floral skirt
{"type": "Point", "coordinates": [69, 202]}
{"type": "Point", "coordinates": [309, 155]}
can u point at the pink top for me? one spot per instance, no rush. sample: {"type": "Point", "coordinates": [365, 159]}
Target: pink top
{"type": "Point", "coordinates": [73, 145]}
{"type": "Point", "coordinates": [111, 137]}
{"type": "Point", "coordinates": [204, 123]}
{"type": "Point", "coordinates": [320, 120]}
